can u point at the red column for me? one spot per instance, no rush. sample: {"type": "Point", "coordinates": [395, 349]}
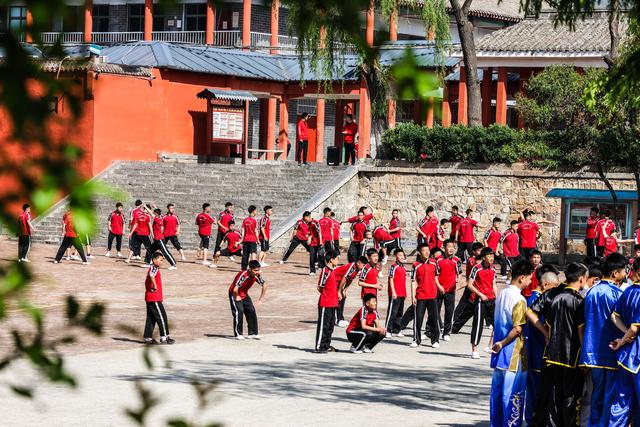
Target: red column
{"type": "Point", "coordinates": [391, 113]}
{"type": "Point", "coordinates": [364, 122]}
{"type": "Point", "coordinates": [486, 96]}
{"type": "Point", "coordinates": [501, 97]}
{"type": "Point", "coordinates": [429, 117]}
{"type": "Point", "coordinates": [246, 24]}
{"type": "Point", "coordinates": [370, 23]}
{"type": "Point", "coordinates": [320, 130]}
{"type": "Point", "coordinates": [275, 9]}
{"type": "Point", "coordinates": [462, 97]}
{"type": "Point", "coordinates": [446, 107]}
{"type": "Point", "coordinates": [29, 22]}
{"type": "Point", "coordinates": [88, 21]}
{"type": "Point", "coordinates": [210, 29]}
{"type": "Point", "coordinates": [271, 127]}
{"type": "Point", "coordinates": [283, 132]}
{"type": "Point", "coordinates": [393, 36]}
{"type": "Point", "coordinates": [148, 20]}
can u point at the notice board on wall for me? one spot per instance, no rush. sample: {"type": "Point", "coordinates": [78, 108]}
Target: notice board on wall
{"type": "Point", "coordinates": [227, 124]}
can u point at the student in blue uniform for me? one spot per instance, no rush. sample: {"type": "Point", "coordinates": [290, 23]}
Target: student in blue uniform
{"type": "Point", "coordinates": [509, 358]}
{"type": "Point", "coordinates": [626, 316]}
{"type": "Point", "coordinates": [599, 332]}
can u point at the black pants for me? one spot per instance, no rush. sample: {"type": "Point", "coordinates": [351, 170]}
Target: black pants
{"type": "Point", "coordinates": [219, 239]}
{"type": "Point", "coordinates": [356, 250]}
{"type": "Point", "coordinates": [301, 151]}
{"type": "Point", "coordinates": [394, 314]}
{"type": "Point", "coordinates": [159, 246]}
{"type": "Point", "coordinates": [156, 316]}
{"type": "Point", "coordinates": [135, 244]}
{"type": "Point", "coordinates": [600, 251]}
{"type": "Point", "coordinates": [361, 339]}
{"type": "Point", "coordinates": [482, 310]}
{"type": "Point", "coordinates": [248, 248]}
{"type": "Point", "coordinates": [326, 322]}
{"type": "Point", "coordinates": [525, 253]}
{"type": "Point", "coordinates": [462, 313]}
{"type": "Point", "coordinates": [507, 264]}
{"type": "Point", "coordinates": [315, 253]}
{"type": "Point", "coordinates": [340, 309]}
{"type": "Point", "coordinates": [590, 246]}
{"type": "Point", "coordinates": [349, 153]}
{"type": "Point", "coordinates": [243, 308]}
{"type": "Point", "coordinates": [295, 242]}
{"type": "Point", "coordinates": [174, 241]}
{"type": "Point", "coordinates": [464, 250]}
{"type": "Point", "coordinates": [24, 244]}
{"type": "Point", "coordinates": [449, 302]}
{"type": "Point", "coordinates": [118, 238]}
{"type": "Point", "coordinates": [67, 242]}
{"type": "Point", "coordinates": [146, 242]}
{"type": "Point", "coordinates": [336, 246]}
{"type": "Point", "coordinates": [559, 399]}
{"type": "Point", "coordinates": [430, 307]}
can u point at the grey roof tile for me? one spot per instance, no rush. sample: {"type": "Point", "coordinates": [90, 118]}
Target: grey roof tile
{"type": "Point", "coordinates": [505, 10]}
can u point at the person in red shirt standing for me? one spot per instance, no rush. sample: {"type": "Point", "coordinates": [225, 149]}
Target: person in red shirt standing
{"type": "Point", "coordinates": [153, 297]}
{"type": "Point", "coordinates": [335, 232]}
{"type": "Point", "coordinates": [345, 275]}
{"type": "Point", "coordinates": [466, 234]}
{"type": "Point", "coordinates": [438, 239]}
{"type": "Point", "coordinates": [315, 246]}
{"type": "Point", "coordinates": [115, 222]}
{"type": "Point", "coordinates": [326, 228]}
{"type": "Point", "coordinates": [427, 226]}
{"type": "Point", "coordinates": [529, 233]}
{"type": "Point", "coordinates": [299, 236]}
{"type": "Point", "coordinates": [25, 229]}
{"type": "Point", "coordinates": [364, 330]}
{"type": "Point", "coordinates": [482, 284]}
{"type": "Point", "coordinates": [349, 132]}
{"type": "Point", "coordinates": [395, 227]}
{"type": "Point", "coordinates": [135, 245]}
{"type": "Point", "coordinates": [69, 238]}
{"type": "Point", "coordinates": [241, 303]}
{"type": "Point", "coordinates": [224, 218]}
{"type": "Point", "coordinates": [234, 245]}
{"type": "Point", "coordinates": [143, 229]}
{"type": "Point", "coordinates": [265, 234]}
{"type": "Point", "coordinates": [397, 286]}
{"type": "Point", "coordinates": [358, 233]}
{"type": "Point", "coordinates": [250, 237]}
{"type": "Point", "coordinates": [328, 303]}
{"type": "Point", "coordinates": [492, 238]}
{"type": "Point", "coordinates": [205, 221]}
{"type": "Point", "coordinates": [510, 243]}
{"type": "Point", "coordinates": [604, 227]}
{"type": "Point", "coordinates": [590, 233]}
{"type": "Point", "coordinates": [368, 279]}
{"type": "Point", "coordinates": [158, 239]}
{"type": "Point", "coordinates": [367, 213]}
{"type": "Point", "coordinates": [455, 221]}
{"type": "Point", "coordinates": [171, 229]}
{"type": "Point", "coordinates": [449, 271]}
{"type": "Point", "coordinates": [302, 138]}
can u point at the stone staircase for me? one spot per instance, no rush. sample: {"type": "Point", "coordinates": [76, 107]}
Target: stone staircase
{"type": "Point", "coordinates": [285, 186]}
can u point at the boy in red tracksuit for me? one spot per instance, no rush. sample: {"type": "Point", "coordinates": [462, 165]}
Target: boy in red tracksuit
{"type": "Point", "coordinates": [395, 228]}
{"type": "Point", "coordinates": [345, 274]}
{"type": "Point", "coordinates": [465, 308]}
{"type": "Point", "coordinates": [359, 230]}
{"type": "Point", "coordinates": [299, 236]}
{"type": "Point", "coordinates": [364, 330]}
{"type": "Point", "coordinates": [250, 237]}
{"type": "Point", "coordinates": [335, 232]}
{"type": "Point", "coordinates": [205, 221]}
{"type": "Point", "coordinates": [25, 229]}
{"type": "Point", "coordinates": [153, 298]}
{"type": "Point", "coordinates": [449, 269]}
{"type": "Point", "coordinates": [427, 226]}
{"type": "Point", "coordinates": [265, 234]}
{"type": "Point", "coordinates": [315, 246]}
{"type": "Point", "coordinates": [328, 303]}
{"type": "Point", "coordinates": [115, 222]}
{"type": "Point", "coordinates": [326, 229]}
{"type": "Point", "coordinates": [397, 293]}
{"type": "Point", "coordinates": [224, 218]}
{"type": "Point", "coordinates": [234, 244]}
{"type": "Point", "coordinates": [158, 239]}
{"type": "Point", "coordinates": [368, 279]}
{"type": "Point", "coordinates": [385, 242]}
{"type": "Point", "coordinates": [241, 303]}
{"type": "Point", "coordinates": [171, 229]}
{"type": "Point", "coordinates": [604, 228]}
{"type": "Point", "coordinates": [302, 139]}
{"type": "Point", "coordinates": [510, 242]}
{"type": "Point", "coordinates": [69, 238]}
{"type": "Point", "coordinates": [482, 284]}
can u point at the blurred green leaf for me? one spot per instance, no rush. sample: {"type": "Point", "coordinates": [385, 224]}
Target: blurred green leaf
{"type": "Point", "coordinates": [73, 308]}
{"type": "Point", "coordinates": [22, 391]}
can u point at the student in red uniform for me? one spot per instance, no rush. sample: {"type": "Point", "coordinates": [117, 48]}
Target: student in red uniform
{"type": "Point", "coordinates": [482, 284]}
{"type": "Point", "coordinates": [134, 244]}
{"type": "Point", "coordinates": [250, 237]}
{"type": "Point", "coordinates": [69, 238]}
{"type": "Point", "coordinates": [529, 233]}
{"type": "Point", "coordinates": [158, 239]}
{"type": "Point", "coordinates": [115, 223]}
{"type": "Point", "coordinates": [265, 235]}
{"type": "Point", "coordinates": [395, 228]}
{"type": "Point", "coordinates": [315, 247]}
{"type": "Point", "coordinates": [335, 232]}
{"type": "Point", "coordinates": [449, 271]}
{"type": "Point", "coordinates": [364, 330]}
{"type": "Point", "coordinates": [345, 274]}
{"type": "Point", "coordinates": [604, 228]}
{"type": "Point", "coordinates": [384, 241]}
{"type": "Point", "coordinates": [427, 226]}
{"type": "Point", "coordinates": [153, 297]}
{"type": "Point", "coordinates": [326, 229]}
{"type": "Point", "coordinates": [397, 286]}
{"type": "Point", "coordinates": [302, 139]}
{"type": "Point", "coordinates": [241, 303]}
{"type": "Point", "coordinates": [465, 308]}
{"type": "Point", "coordinates": [455, 222]}
{"type": "Point", "coordinates": [234, 245]}
{"type": "Point", "coordinates": [492, 239]}
{"type": "Point", "coordinates": [368, 279]}
{"type": "Point", "coordinates": [171, 229]}
{"type": "Point", "coordinates": [510, 243]}
{"type": "Point", "coordinates": [611, 243]}
{"type": "Point", "coordinates": [143, 227]}
{"type": "Point", "coordinates": [466, 234]}
{"type": "Point", "coordinates": [636, 232]}
{"type": "Point", "coordinates": [441, 235]}
{"type": "Point", "coordinates": [224, 218]}
{"type": "Point", "coordinates": [205, 221]}
{"type": "Point", "coordinates": [299, 236]}
{"type": "Point", "coordinates": [590, 233]}
{"type": "Point", "coordinates": [536, 261]}
{"type": "Point", "coordinates": [328, 303]}
{"type": "Point", "coordinates": [358, 233]}
{"type": "Point", "coordinates": [349, 132]}
{"type": "Point", "coordinates": [25, 229]}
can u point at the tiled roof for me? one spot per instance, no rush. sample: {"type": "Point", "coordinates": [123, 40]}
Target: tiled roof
{"type": "Point", "coordinates": [506, 10]}
{"type": "Point", "coordinates": [541, 36]}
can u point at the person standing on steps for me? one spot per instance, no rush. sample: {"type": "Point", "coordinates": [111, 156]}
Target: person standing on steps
{"type": "Point", "coordinates": [25, 229]}
{"type": "Point", "coordinates": [302, 139]}
{"type": "Point", "coordinates": [349, 132]}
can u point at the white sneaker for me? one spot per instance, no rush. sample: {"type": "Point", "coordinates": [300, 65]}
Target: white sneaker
{"type": "Point", "coordinates": [281, 262]}
{"type": "Point", "coordinates": [26, 260]}
{"type": "Point", "coordinates": [255, 337]}
{"type": "Point", "coordinates": [343, 323]}
{"type": "Point", "coordinates": [232, 259]}
{"type": "Point", "coordinates": [446, 338]}
{"type": "Point", "coordinates": [119, 254]}
{"type": "Point", "coordinates": [127, 261]}
{"type": "Point", "coordinates": [137, 257]}
{"type": "Point", "coordinates": [184, 258]}
{"type": "Point", "coordinates": [488, 350]}
{"type": "Point", "coordinates": [311, 273]}
{"type": "Point", "coordinates": [413, 344]}
{"type": "Point", "coordinates": [206, 263]}
{"type": "Point", "coordinates": [108, 254]}
{"type": "Point", "coordinates": [68, 258]}
{"type": "Point", "coordinates": [367, 350]}
{"type": "Point", "coordinates": [147, 265]}
{"type": "Point", "coordinates": [435, 345]}
{"type": "Point", "coordinates": [173, 267]}
{"type": "Point", "coordinates": [399, 335]}
{"type": "Point", "coordinates": [423, 337]}
{"type": "Point", "coordinates": [90, 256]}
{"type": "Point", "coordinates": [388, 335]}
{"type": "Point", "coordinates": [475, 355]}
{"type": "Point", "coordinates": [19, 259]}
{"type": "Point", "coordinates": [239, 337]}
{"type": "Point", "coordinates": [264, 264]}
{"type": "Point", "coordinates": [213, 266]}
{"type": "Point", "coordinates": [75, 257]}
{"type": "Point", "coordinates": [85, 263]}
{"type": "Point", "coordinates": [504, 277]}
{"type": "Point", "coordinates": [56, 262]}
{"type": "Point", "coordinates": [353, 350]}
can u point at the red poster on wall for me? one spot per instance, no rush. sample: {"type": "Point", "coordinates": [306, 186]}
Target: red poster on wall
{"type": "Point", "coordinates": [227, 124]}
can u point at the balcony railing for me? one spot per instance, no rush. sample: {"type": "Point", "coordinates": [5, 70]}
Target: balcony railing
{"type": "Point", "coordinates": [64, 38]}
{"type": "Point", "coordinates": [196, 37]}
{"type": "Point", "coordinates": [228, 38]}
{"type": "Point", "coordinates": [116, 37]}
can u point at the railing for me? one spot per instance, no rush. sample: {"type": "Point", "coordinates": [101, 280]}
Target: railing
{"type": "Point", "coordinates": [53, 37]}
{"type": "Point", "coordinates": [228, 38]}
{"type": "Point", "coordinates": [116, 37]}
{"type": "Point", "coordinates": [197, 37]}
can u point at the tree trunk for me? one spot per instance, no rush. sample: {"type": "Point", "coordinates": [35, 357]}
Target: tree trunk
{"type": "Point", "coordinates": [465, 30]}
{"type": "Point", "coordinates": [606, 181]}
{"type": "Point", "coordinates": [614, 33]}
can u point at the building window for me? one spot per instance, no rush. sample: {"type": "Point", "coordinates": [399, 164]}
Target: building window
{"type": "Point", "coordinates": [101, 18]}
{"type": "Point", "coordinates": [579, 212]}
{"type": "Point", "coordinates": [17, 18]}
{"type": "Point", "coordinates": [158, 17]}
{"type": "Point", "coordinates": [195, 16]}
{"type": "Point", "coordinates": [73, 20]}
{"type": "Point", "coordinates": [135, 13]}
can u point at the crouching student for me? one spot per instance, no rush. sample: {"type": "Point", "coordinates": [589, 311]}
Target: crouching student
{"type": "Point", "coordinates": [364, 330]}
{"type": "Point", "coordinates": [509, 358]}
{"type": "Point", "coordinates": [327, 303]}
{"type": "Point", "coordinates": [345, 274]}
{"type": "Point", "coordinates": [241, 303]}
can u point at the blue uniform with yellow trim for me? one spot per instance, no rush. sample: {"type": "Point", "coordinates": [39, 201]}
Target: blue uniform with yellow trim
{"type": "Point", "coordinates": [534, 343]}
{"type": "Point", "coordinates": [627, 383]}
{"type": "Point", "coordinates": [509, 382]}
{"type": "Point", "coordinates": [599, 331]}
